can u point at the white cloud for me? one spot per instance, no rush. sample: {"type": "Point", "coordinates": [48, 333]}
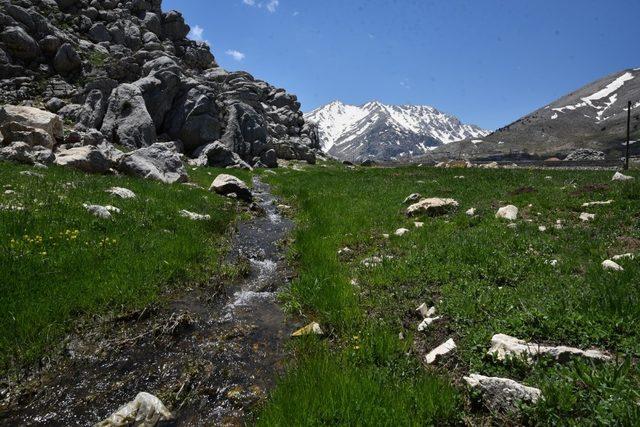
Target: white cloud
{"type": "Point", "coordinates": [196, 33]}
{"type": "Point", "coordinates": [405, 83]}
{"type": "Point", "coordinates": [270, 5]}
{"type": "Point", "coordinates": [235, 54]}
{"type": "Point", "coordinates": [296, 13]}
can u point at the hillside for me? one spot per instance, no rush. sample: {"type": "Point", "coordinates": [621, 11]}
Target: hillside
{"type": "Point", "coordinates": [386, 132]}
{"type": "Point", "coordinates": [594, 117]}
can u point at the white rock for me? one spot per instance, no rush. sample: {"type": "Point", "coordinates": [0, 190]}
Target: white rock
{"type": "Point", "coordinates": [33, 117]}
{"type": "Point", "coordinates": [509, 212]}
{"type": "Point", "coordinates": [432, 206]}
{"type": "Point", "coordinates": [30, 173]}
{"type": "Point", "coordinates": [401, 232]}
{"type": "Point", "coordinates": [121, 192]}
{"type": "Point", "coordinates": [585, 216]}
{"type": "Point", "coordinates": [471, 212]}
{"type": "Point", "coordinates": [558, 225]}
{"type": "Point", "coordinates": [552, 262]}
{"type": "Point", "coordinates": [621, 177]}
{"type": "Point", "coordinates": [194, 216]}
{"type": "Point", "coordinates": [425, 311]}
{"type": "Point", "coordinates": [8, 192]}
{"type": "Point", "coordinates": [503, 394]}
{"type": "Point", "coordinates": [441, 350]}
{"type": "Point", "coordinates": [623, 256]}
{"type": "Point", "coordinates": [542, 228]}
{"type": "Point", "coordinates": [311, 329]}
{"type": "Point", "coordinates": [426, 322]}
{"type": "Point", "coordinates": [97, 210]}
{"type": "Point", "coordinates": [385, 236]}
{"type": "Point", "coordinates": [418, 224]}
{"type": "Point", "coordinates": [145, 410]}
{"type": "Point", "coordinates": [512, 225]}
{"type": "Point", "coordinates": [505, 346]}
{"type": "Point", "coordinates": [588, 204]}
{"type": "Point", "coordinates": [611, 265]}
{"type": "Point", "coordinates": [225, 184]}
{"type": "Point", "coordinates": [412, 198]}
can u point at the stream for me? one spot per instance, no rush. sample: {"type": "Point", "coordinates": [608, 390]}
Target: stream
{"type": "Point", "coordinates": [209, 357]}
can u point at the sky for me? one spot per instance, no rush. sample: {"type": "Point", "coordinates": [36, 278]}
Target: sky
{"type": "Point", "coordinates": [488, 62]}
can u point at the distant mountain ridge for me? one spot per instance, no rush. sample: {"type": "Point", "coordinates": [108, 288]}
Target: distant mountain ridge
{"type": "Point", "coordinates": [594, 116]}
{"type": "Point", "coordinates": [386, 132]}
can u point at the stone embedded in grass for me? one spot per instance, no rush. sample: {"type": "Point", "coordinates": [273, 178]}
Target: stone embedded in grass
{"type": "Point", "coordinates": [505, 346]}
{"type": "Point", "coordinates": [621, 177]}
{"type": "Point", "coordinates": [194, 216]}
{"type": "Point", "coordinates": [552, 262]}
{"type": "Point", "coordinates": [426, 322]}
{"type": "Point", "coordinates": [623, 256]}
{"type": "Point", "coordinates": [412, 198]}
{"type": "Point", "coordinates": [503, 394]}
{"type": "Point", "coordinates": [558, 225]}
{"type": "Point", "coordinates": [440, 351]}
{"type": "Point", "coordinates": [103, 212]}
{"type": "Point", "coordinates": [401, 232]}
{"type": "Point", "coordinates": [225, 184]}
{"type": "Point", "coordinates": [471, 212]}
{"type": "Point", "coordinates": [542, 228]}
{"type": "Point", "coordinates": [602, 203]}
{"type": "Point", "coordinates": [432, 206]}
{"type": "Point", "coordinates": [145, 410]}
{"type": "Point", "coordinates": [11, 208]}
{"type": "Point", "coordinates": [585, 216]}
{"type": "Point", "coordinates": [87, 159]}
{"type": "Point", "coordinates": [312, 328]}
{"type": "Point", "coordinates": [425, 311]}
{"type": "Point", "coordinates": [508, 212]}
{"type": "Point", "coordinates": [32, 174]}
{"type": "Point", "coordinates": [611, 265]}
{"type": "Point", "coordinates": [123, 193]}
{"type": "Point", "coordinates": [418, 224]}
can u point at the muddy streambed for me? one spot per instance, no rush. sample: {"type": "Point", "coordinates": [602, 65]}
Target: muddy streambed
{"type": "Point", "coordinates": [209, 357]}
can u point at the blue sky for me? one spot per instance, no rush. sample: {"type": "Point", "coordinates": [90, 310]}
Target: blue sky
{"type": "Point", "coordinates": [486, 61]}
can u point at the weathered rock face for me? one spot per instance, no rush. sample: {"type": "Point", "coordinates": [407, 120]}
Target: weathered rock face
{"type": "Point", "coordinates": [127, 69]}
{"type": "Point", "coordinates": [159, 162]}
{"type": "Point", "coordinates": [503, 394]}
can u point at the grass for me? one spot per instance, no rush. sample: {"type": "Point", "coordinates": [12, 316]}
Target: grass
{"type": "Point", "coordinates": [484, 277]}
{"type": "Point", "coordinates": [58, 262]}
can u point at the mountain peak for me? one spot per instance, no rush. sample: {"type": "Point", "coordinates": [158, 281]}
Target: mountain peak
{"type": "Point", "coordinates": [386, 132]}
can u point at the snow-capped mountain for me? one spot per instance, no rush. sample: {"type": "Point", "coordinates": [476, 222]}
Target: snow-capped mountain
{"type": "Point", "coordinates": [386, 132]}
{"type": "Point", "coordinates": [594, 116]}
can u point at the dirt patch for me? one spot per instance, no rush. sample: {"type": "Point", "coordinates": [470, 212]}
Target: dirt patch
{"type": "Point", "coordinates": [627, 244]}
{"type": "Point", "coordinates": [523, 190]}
{"type": "Point", "coordinates": [590, 188]}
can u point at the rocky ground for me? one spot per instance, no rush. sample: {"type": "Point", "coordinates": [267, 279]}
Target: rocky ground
{"type": "Point", "coordinates": [123, 74]}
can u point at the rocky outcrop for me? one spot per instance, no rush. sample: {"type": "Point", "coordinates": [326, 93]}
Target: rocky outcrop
{"type": "Point", "coordinates": [159, 162]}
{"type": "Point", "coordinates": [127, 70]}
{"type": "Point", "coordinates": [432, 206]}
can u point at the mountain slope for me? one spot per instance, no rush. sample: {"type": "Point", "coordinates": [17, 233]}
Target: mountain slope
{"type": "Point", "coordinates": [594, 116]}
{"type": "Point", "coordinates": [386, 132]}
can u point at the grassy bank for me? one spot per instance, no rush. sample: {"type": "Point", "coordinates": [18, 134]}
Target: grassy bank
{"type": "Point", "coordinates": [484, 278]}
{"type": "Point", "coordinates": [59, 262]}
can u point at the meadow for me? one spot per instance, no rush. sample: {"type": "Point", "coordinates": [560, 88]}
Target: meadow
{"type": "Point", "coordinates": [59, 263]}
{"type": "Point", "coordinates": [544, 285]}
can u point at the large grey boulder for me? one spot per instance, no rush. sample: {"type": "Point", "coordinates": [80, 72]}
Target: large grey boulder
{"type": "Point", "coordinates": [245, 132]}
{"type": "Point", "coordinates": [87, 159]}
{"type": "Point", "coordinates": [158, 90]}
{"type": "Point", "coordinates": [33, 117]}
{"type": "Point", "coordinates": [67, 60]}
{"type": "Point", "coordinates": [22, 152]}
{"type": "Point", "coordinates": [226, 184]}
{"type": "Point", "coordinates": [99, 33]}
{"type": "Point", "coordinates": [503, 394]}
{"type": "Point", "coordinates": [194, 119]}
{"type": "Point", "coordinates": [159, 162]}
{"type": "Point", "coordinates": [174, 27]}
{"type": "Point", "coordinates": [17, 132]}
{"type": "Point", "coordinates": [217, 155]}
{"type": "Point", "coordinates": [19, 43]}
{"type": "Point", "coordinates": [127, 120]}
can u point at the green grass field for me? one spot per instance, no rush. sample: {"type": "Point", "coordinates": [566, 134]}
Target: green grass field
{"type": "Point", "coordinates": [58, 262]}
{"type": "Point", "coordinates": [483, 276]}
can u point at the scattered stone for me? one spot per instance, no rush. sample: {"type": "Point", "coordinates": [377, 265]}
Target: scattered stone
{"type": "Point", "coordinates": [194, 216]}
{"type": "Point", "coordinates": [145, 410]}
{"type": "Point", "coordinates": [401, 232]}
{"type": "Point", "coordinates": [503, 394]}
{"type": "Point", "coordinates": [67, 60]}
{"type": "Point", "coordinates": [440, 351]}
{"type": "Point", "coordinates": [425, 311]}
{"type": "Point", "coordinates": [100, 211]}
{"type": "Point", "coordinates": [34, 118]}
{"type": "Point", "coordinates": [385, 235]}
{"type": "Point", "coordinates": [512, 225]}
{"type": "Point", "coordinates": [611, 265]}
{"type": "Point", "coordinates": [225, 184]}
{"type": "Point", "coordinates": [508, 212]}
{"type": "Point", "coordinates": [418, 224]}
{"type": "Point", "coordinates": [32, 174]}
{"type": "Point", "coordinates": [432, 206]}
{"type": "Point", "coordinates": [311, 329]}
{"type": "Point", "coordinates": [621, 177]}
{"type": "Point", "coordinates": [558, 225]}
{"type": "Point", "coordinates": [11, 208]}
{"type": "Point", "coordinates": [552, 262]}
{"type": "Point", "coordinates": [18, 132]}
{"type": "Point", "coordinates": [471, 212]}
{"type": "Point", "coordinates": [585, 154]}
{"type": "Point", "coordinates": [589, 204]}
{"type": "Point", "coordinates": [623, 256]}
{"type": "Point", "coordinates": [412, 198]}
{"type": "Point", "coordinates": [123, 193]}
{"type": "Point", "coordinates": [505, 346]}
{"type": "Point", "coordinates": [87, 159]}
{"type": "Point", "coordinates": [426, 322]}
{"type": "Point", "coordinates": [585, 216]}
{"type": "Point", "coordinates": [542, 228]}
